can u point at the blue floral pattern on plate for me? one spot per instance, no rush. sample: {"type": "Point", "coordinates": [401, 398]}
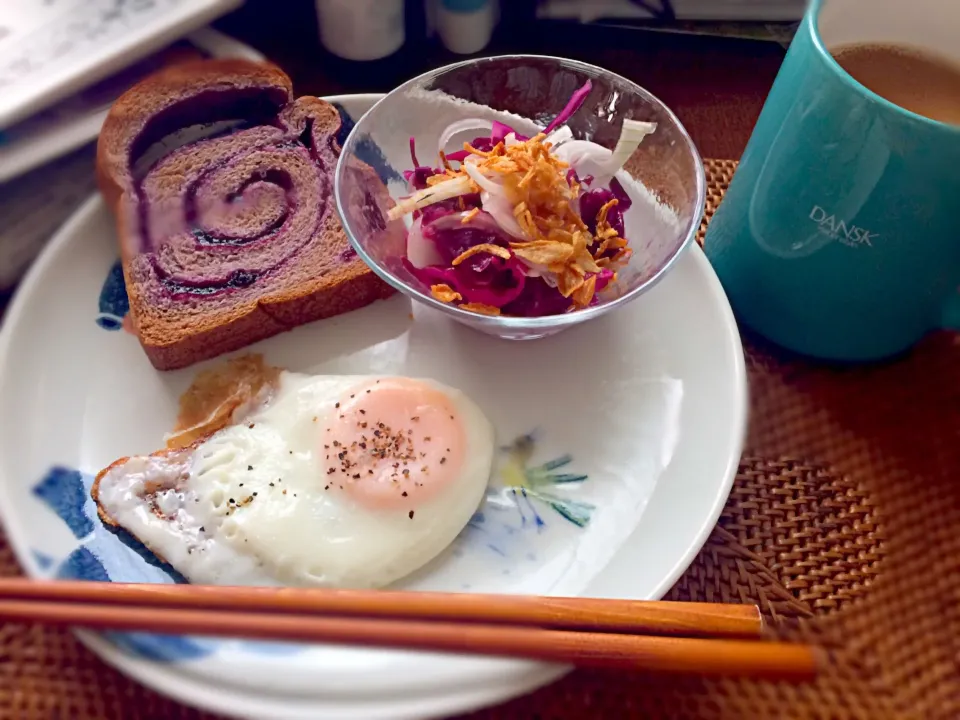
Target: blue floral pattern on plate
{"type": "Point", "coordinates": [524, 483]}
{"type": "Point", "coordinates": [524, 486]}
{"type": "Point", "coordinates": [517, 499]}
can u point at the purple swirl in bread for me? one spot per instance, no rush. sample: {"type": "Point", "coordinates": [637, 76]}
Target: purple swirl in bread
{"type": "Point", "coordinates": [231, 238]}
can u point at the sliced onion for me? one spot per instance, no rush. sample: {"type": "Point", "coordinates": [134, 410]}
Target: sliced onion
{"type": "Point", "coordinates": [420, 251]}
{"type": "Point", "coordinates": [535, 270]}
{"type": "Point", "coordinates": [501, 210]}
{"type": "Point", "coordinates": [428, 196]}
{"type": "Point", "coordinates": [462, 126]}
{"type": "Point", "coordinates": [583, 156]}
{"type": "Point", "coordinates": [559, 136]}
{"type": "Point", "coordinates": [590, 161]}
{"type": "Point", "coordinates": [486, 184]}
{"type": "Point", "coordinates": [631, 135]}
{"type": "Point", "coordinates": [588, 158]}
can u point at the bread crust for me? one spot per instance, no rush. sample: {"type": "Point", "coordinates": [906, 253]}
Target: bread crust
{"type": "Point", "coordinates": [169, 341]}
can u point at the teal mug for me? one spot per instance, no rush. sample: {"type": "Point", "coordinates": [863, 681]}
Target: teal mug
{"type": "Point", "coordinates": [838, 237]}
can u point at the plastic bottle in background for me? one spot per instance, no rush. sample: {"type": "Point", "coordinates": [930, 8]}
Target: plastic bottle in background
{"type": "Point", "coordinates": [465, 26]}
{"type": "Point", "coordinates": [361, 29]}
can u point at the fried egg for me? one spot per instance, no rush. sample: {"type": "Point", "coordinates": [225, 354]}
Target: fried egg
{"type": "Point", "coordinates": [347, 481]}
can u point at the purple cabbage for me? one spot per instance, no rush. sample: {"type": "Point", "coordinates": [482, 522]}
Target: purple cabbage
{"type": "Point", "coordinates": [620, 194]}
{"type": "Point", "coordinates": [576, 100]}
{"type": "Point", "coordinates": [413, 151]}
{"type": "Point", "coordinates": [536, 300]}
{"type": "Point", "coordinates": [539, 299]}
{"type": "Point", "coordinates": [482, 278]}
{"type": "Point", "coordinates": [590, 204]}
{"type": "Point", "coordinates": [434, 212]}
{"type": "Point", "coordinates": [452, 238]}
{"type": "Point", "coordinates": [417, 178]}
{"type": "Point", "coordinates": [485, 144]}
{"type": "Point", "coordinates": [499, 133]}
{"type": "Point", "coordinates": [489, 279]}
{"type": "Point", "coordinates": [572, 178]}
{"type": "Point", "coordinates": [604, 278]}
{"type": "Point", "coordinates": [501, 283]}
{"type": "Point", "coordinates": [432, 274]}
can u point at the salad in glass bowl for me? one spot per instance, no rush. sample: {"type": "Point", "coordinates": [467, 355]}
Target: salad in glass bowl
{"type": "Point", "coordinates": [521, 221]}
{"type": "Point", "coordinates": [517, 225]}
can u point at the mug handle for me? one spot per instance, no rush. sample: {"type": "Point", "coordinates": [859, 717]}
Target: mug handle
{"type": "Point", "coordinates": [951, 312]}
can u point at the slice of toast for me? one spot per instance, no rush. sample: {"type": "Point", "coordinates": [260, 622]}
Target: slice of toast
{"type": "Point", "coordinates": [232, 238]}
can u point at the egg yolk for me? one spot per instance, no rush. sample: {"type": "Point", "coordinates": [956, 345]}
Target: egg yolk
{"type": "Point", "coordinates": [393, 442]}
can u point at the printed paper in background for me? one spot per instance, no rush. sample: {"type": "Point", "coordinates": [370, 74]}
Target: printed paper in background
{"type": "Point", "coordinates": [52, 48]}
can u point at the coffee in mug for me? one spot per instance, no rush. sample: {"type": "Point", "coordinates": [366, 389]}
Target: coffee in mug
{"type": "Point", "coordinates": [915, 80]}
{"type": "Point", "coordinates": [839, 235]}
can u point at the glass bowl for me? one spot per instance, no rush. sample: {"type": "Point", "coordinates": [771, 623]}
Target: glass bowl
{"type": "Point", "coordinates": [526, 92]}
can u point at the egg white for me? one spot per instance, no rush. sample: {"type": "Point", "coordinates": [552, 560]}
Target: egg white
{"type": "Point", "coordinates": [289, 530]}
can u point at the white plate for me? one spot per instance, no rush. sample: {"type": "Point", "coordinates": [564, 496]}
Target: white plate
{"type": "Point", "coordinates": [51, 49]}
{"type": "Point", "coordinates": [77, 120]}
{"type": "Point", "coordinates": [656, 429]}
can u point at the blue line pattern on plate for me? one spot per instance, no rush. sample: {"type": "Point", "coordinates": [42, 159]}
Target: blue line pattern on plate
{"type": "Point", "coordinates": [367, 150]}
{"type": "Point", "coordinates": [44, 561]}
{"type": "Point", "coordinates": [107, 554]}
{"type": "Point", "coordinates": [113, 304]}
{"type": "Point", "coordinates": [63, 491]}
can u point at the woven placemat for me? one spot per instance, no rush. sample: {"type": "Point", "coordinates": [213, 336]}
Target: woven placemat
{"type": "Point", "coordinates": [843, 525]}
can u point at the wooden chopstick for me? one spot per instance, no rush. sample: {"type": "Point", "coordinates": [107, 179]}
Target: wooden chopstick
{"type": "Point", "coordinates": [584, 614]}
{"type": "Point", "coordinates": [761, 660]}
